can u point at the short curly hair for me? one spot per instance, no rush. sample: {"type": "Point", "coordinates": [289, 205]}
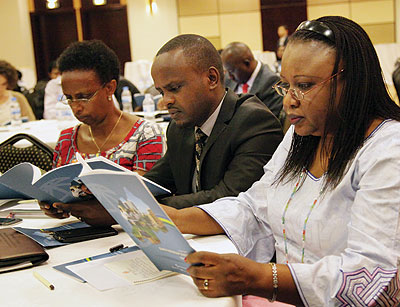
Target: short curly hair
{"type": "Point", "coordinates": [91, 55]}
{"type": "Point", "coordinates": [10, 73]}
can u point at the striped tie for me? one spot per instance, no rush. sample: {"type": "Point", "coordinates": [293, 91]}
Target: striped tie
{"type": "Point", "coordinates": [200, 138]}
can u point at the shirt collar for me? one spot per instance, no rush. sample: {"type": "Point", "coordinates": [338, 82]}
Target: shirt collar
{"type": "Point", "coordinates": [254, 75]}
{"type": "Point", "coordinates": [208, 125]}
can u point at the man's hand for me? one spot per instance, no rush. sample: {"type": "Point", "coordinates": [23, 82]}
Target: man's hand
{"type": "Point", "coordinates": [53, 212]}
{"type": "Point", "coordinates": [90, 212]}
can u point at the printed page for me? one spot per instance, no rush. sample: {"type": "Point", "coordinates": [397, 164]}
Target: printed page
{"type": "Point", "coordinates": [131, 204]}
{"type": "Point", "coordinates": [137, 269]}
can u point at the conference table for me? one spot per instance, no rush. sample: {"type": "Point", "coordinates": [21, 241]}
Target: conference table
{"type": "Point", "coordinates": [20, 288]}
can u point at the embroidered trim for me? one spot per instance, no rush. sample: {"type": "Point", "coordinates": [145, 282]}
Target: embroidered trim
{"type": "Point", "coordinates": [361, 288]}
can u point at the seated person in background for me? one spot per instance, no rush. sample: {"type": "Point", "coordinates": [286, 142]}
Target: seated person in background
{"type": "Point", "coordinates": [8, 80]}
{"type": "Point", "coordinates": [235, 136]}
{"type": "Point", "coordinates": [52, 95]}
{"type": "Point", "coordinates": [36, 98]}
{"type": "Point", "coordinates": [89, 74]}
{"type": "Point", "coordinates": [122, 82]}
{"type": "Point", "coordinates": [277, 64]}
{"type": "Point", "coordinates": [329, 200]}
{"type": "Point", "coordinates": [247, 75]}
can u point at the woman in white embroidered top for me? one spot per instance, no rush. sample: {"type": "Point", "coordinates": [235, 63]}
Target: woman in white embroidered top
{"type": "Point", "coordinates": [329, 200]}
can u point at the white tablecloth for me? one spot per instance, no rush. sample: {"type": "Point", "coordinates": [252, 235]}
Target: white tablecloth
{"type": "Point", "coordinates": [47, 131]}
{"type": "Point", "coordinates": [20, 288]}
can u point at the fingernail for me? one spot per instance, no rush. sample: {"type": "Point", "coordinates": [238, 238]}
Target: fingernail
{"type": "Point", "coordinates": [59, 211]}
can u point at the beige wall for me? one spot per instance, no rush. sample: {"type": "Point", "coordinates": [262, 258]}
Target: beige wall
{"type": "Point", "coordinates": [148, 33]}
{"type": "Point", "coordinates": [377, 17]}
{"type": "Point", "coordinates": [222, 21]}
{"type": "Point", "coordinates": [16, 37]}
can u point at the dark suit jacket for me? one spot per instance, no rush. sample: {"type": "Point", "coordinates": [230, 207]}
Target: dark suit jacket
{"type": "Point", "coordinates": [242, 141]}
{"type": "Point", "coordinates": [262, 88]}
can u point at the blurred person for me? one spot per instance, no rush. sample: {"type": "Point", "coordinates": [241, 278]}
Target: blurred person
{"type": "Point", "coordinates": [36, 98]}
{"type": "Point", "coordinates": [283, 34]}
{"type": "Point", "coordinates": [8, 81]}
{"type": "Point", "coordinates": [247, 75]}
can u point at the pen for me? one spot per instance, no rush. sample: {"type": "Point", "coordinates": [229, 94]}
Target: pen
{"type": "Point", "coordinates": [116, 248]}
{"type": "Point", "coordinates": [43, 280]}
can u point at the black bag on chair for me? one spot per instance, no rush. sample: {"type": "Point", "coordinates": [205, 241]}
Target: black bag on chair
{"type": "Point", "coordinates": [39, 153]}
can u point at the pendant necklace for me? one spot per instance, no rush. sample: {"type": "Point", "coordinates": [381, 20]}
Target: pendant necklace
{"type": "Point", "coordinates": [295, 189]}
{"type": "Point", "coordinates": [109, 135]}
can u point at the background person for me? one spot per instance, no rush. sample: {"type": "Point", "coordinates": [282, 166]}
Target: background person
{"type": "Point", "coordinates": [329, 200]}
{"type": "Point", "coordinates": [36, 98]}
{"type": "Point", "coordinates": [247, 75]}
{"type": "Point", "coordinates": [8, 80]}
{"type": "Point", "coordinates": [283, 34]}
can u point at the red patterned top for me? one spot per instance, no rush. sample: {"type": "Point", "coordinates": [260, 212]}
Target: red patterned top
{"type": "Point", "coordinates": [140, 149]}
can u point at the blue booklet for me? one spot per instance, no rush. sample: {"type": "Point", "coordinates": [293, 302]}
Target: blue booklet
{"type": "Point", "coordinates": [129, 201]}
{"type": "Point", "coordinates": [45, 236]}
{"type": "Point", "coordinates": [27, 181]}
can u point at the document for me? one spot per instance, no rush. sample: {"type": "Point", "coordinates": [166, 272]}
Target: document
{"type": "Point", "coordinates": [26, 181]}
{"type": "Point", "coordinates": [130, 203]}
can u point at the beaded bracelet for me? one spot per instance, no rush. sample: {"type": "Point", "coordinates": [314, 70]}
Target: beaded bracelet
{"type": "Point", "coordinates": [274, 282]}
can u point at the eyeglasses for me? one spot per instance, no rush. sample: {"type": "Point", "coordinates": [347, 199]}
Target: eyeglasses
{"type": "Point", "coordinates": [317, 27]}
{"type": "Point", "coordinates": [283, 88]}
{"type": "Point", "coordinates": [74, 102]}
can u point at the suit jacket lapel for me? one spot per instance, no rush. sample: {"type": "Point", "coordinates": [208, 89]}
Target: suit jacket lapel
{"type": "Point", "coordinates": [225, 115]}
{"type": "Point", "coordinates": [257, 81]}
{"type": "Point", "coordinates": [187, 146]}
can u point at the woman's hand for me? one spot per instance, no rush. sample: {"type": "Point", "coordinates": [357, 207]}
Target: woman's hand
{"type": "Point", "coordinates": [228, 274]}
{"type": "Point", "coordinates": [52, 211]}
{"type": "Point", "coordinates": [90, 212]}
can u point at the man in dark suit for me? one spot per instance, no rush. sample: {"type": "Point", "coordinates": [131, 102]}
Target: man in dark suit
{"type": "Point", "coordinates": [247, 75]}
{"type": "Point", "coordinates": [241, 133]}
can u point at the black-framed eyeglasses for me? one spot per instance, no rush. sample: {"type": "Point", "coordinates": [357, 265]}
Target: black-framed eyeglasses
{"type": "Point", "coordinates": [283, 88]}
{"type": "Point", "coordinates": [317, 27]}
{"type": "Point", "coordinates": [74, 102]}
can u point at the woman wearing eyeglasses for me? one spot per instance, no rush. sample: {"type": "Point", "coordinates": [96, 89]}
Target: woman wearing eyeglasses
{"type": "Point", "coordinates": [329, 201]}
{"type": "Point", "coordinates": [89, 74]}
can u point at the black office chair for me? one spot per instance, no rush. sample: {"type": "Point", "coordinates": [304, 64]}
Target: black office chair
{"type": "Point", "coordinates": [38, 153]}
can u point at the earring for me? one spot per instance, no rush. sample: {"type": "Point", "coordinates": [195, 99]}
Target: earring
{"type": "Point", "coordinates": [109, 98]}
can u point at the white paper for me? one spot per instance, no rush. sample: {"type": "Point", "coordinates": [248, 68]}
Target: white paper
{"type": "Point", "coordinates": [137, 269]}
{"type": "Point", "coordinates": [98, 276]}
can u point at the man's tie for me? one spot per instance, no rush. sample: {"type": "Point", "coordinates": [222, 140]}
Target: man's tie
{"type": "Point", "coordinates": [200, 138]}
{"type": "Point", "coordinates": [245, 88]}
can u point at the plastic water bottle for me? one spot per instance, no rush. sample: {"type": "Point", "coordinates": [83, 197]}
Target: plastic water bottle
{"type": "Point", "coordinates": [15, 112]}
{"type": "Point", "coordinates": [126, 99]}
{"type": "Point", "coordinates": [148, 107]}
{"type": "Point", "coordinates": [63, 112]}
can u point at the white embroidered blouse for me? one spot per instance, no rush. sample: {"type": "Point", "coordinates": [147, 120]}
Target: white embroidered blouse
{"type": "Point", "coordinates": [352, 244]}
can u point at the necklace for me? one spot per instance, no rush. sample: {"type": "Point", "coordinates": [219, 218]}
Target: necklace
{"type": "Point", "coordinates": [104, 143]}
{"type": "Point", "coordinates": [295, 189]}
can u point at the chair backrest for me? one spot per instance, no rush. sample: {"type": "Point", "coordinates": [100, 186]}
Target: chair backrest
{"type": "Point", "coordinates": [39, 153]}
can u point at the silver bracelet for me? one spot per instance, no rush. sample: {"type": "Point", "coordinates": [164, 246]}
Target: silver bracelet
{"type": "Point", "coordinates": [274, 282]}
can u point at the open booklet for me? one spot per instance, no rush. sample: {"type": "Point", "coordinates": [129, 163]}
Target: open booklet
{"type": "Point", "coordinates": [26, 181]}
{"type": "Point", "coordinates": [130, 203]}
